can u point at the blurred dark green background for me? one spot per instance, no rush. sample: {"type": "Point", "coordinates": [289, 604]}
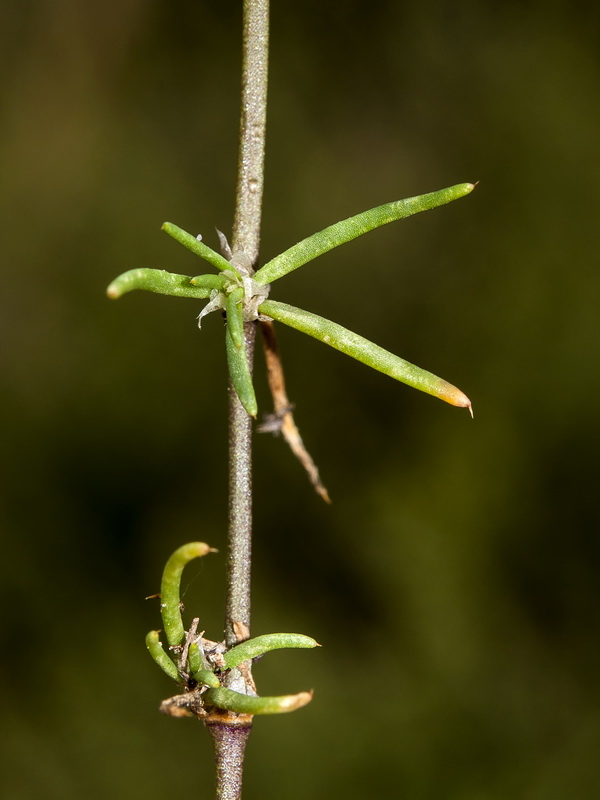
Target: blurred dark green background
{"type": "Point", "coordinates": [455, 582]}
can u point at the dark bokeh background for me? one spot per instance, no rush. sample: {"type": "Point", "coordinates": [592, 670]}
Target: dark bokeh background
{"type": "Point", "coordinates": [455, 581]}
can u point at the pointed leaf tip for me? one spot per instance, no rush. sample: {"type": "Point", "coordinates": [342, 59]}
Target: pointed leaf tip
{"type": "Point", "coordinates": [344, 231]}
{"type": "Point", "coordinates": [451, 394]}
{"type": "Point", "coordinates": [363, 350]}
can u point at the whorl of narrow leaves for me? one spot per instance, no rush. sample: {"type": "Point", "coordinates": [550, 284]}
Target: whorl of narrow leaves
{"type": "Point", "coordinates": [195, 666]}
{"type": "Point", "coordinates": [231, 291]}
{"type": "Point", "coordinates": [348, 229]}
{"type": "Point", "coordinates": [363, 350]}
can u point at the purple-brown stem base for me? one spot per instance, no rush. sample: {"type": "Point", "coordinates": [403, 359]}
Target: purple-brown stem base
{"type": "Point", "coordinates": [229, 735]}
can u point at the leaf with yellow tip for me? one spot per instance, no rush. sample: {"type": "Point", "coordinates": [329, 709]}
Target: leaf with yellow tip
{"type": "Point", "coordinates": [156, 280]}
{"type": "Point", "coordinates": [229, 700]}
{"type": "Point", "coordinates": [365, 351]}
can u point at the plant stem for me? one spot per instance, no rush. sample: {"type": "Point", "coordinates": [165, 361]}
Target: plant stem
{"type": "Point", "coordinates": [239, 549]}
{"type": "Point", "coordinates": [230, 745]}
{"type": "Point", "coordinates": [246, 238]}
{"type": "Point", "coordinates": [229, 731]}
{"type": "Point", "coordinates": [253, 120]}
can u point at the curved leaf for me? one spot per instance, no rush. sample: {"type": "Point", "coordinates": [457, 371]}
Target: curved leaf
{"type": "Point", "coordinates": [156, 280]}
{"type": "Point", "coordinates": [207, 678]}
{"type": "Point", "coordinates": [155, 648]}
{"type": "Point", "coordinates": [170, 603]}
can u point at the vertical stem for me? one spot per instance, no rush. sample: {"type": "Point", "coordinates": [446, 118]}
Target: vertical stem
{"type": "Point", "coordinates": [253, 120]}
{"type": "Point", "coordinates": [239, 550]}
{"type": "Point", "coordinates": [246, 238]}
{"type": "Point", "coordinates": [230, 744]}
{"type": "Point", "coordinates": [229, 731]}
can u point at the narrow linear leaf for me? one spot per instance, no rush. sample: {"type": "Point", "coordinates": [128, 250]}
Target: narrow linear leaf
{"type": "Point", "coordinates": [239, 372]}
{"type": "Point", "coordinates": [348, 229]}
{"type": "Point", "coordinates": [263, 644]}
{"type": "Point", "coordinates": [155, 649]}
{"type": "Point", "coordinates": [196, 246]}
{"type": "Point", "coordinates": [363, 350]}
{"type": "Point", "coordinates": [156, 280]}
{"type": "Point", "coordinates": [235, 316]}
{"type": "Point", "coordinates": [206, 678]}
{"type": "Point", "coordinates": [201, 675]}
{"type": "Point", "coordinates": [170, 585]}
{"type": "Point", "coordinates": [244, 704]}
{"type": "Point", "coordinates": [209, 282]}
{"type": "Point", "coordinates": [194, 658]}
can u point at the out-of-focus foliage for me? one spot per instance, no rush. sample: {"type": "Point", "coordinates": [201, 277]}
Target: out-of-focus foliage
{"type": "Point", "coordinates": [459, 564]}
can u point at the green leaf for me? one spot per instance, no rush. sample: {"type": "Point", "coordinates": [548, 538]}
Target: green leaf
{"type": "Point", "coordinates": [194, 658]}
{"type": "Point", "coordinates": [156, 280]}
{"type": "Point", "coordinates": [239, 371]}
{"type": "Point", "coordinates": [209, 282]}
{"type": "Point", "coordinates": [263, 644]}
{"type": "Point", "coordinates": [169, 589]}
{"type": "Point", "coordinates": [206, 677]}
{"type": "Point", "coordinates": [245, 704]}
{"type": "Point", "coordinates": [235, 316]}
{"type": "Point", "coordinates": [348, 229]}
{"type": "Point", "coordinates": [196, 246]}
{"type": "Point", "coordinates": [155, 649]}
{"type": "Point", "coordinates": [363, 350]}
{"type": "Point", "coordinates": [198, 672]}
